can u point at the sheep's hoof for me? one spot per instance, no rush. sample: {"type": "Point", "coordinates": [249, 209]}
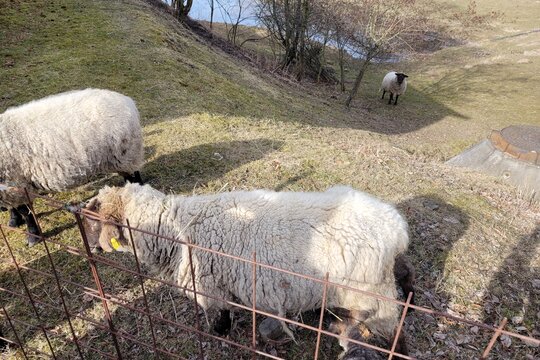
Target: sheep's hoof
{"type": "Point", "coordinates": [223, 325]}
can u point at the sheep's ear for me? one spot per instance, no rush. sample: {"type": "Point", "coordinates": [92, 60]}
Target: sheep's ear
{"type": "Point", "coordinates": [405, 75]}
{"type": "Point", "coordinates": [112, 239]}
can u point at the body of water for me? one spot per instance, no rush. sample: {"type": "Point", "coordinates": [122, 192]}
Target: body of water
{"type": "Point", "coordinates": [224, 10]}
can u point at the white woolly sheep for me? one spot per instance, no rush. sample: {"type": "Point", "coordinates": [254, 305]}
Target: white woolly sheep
{"type": "Point", "coordinates": [395, 83]}
{"type": "Point", "coordinates": [349, 234]}
{"type": "Point", "coordinates": [62, 141]}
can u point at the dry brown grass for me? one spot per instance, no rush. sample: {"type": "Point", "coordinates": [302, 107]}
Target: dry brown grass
{"type": "Point", "coordinates": [212, 123]}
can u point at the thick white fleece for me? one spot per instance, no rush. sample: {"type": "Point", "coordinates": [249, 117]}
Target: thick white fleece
{"type": "Point", "coordinates": [390, 84]}
{"type": "Point", "coordinates": [349, 234]}
{"type": "Point", "coordinates": [60, 141]}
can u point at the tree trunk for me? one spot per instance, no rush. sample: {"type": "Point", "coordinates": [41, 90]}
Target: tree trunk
{"type": "Point", "coordinates": [237, 23]}
{"type": "Point", "coordinates": [341, 69]}
{"type": "Point", "coordinates": [322, 61]}
{"type": "Point", "coordinates": [187, 8]}
{"type": "Point", "coordinates": [182, 9]}
{"type": "Point", "coordinates": [302, 28]}
{"type": "Point", "coordinates": [357, 81]}
{"type": "Point", "coordinates": [211, 13]}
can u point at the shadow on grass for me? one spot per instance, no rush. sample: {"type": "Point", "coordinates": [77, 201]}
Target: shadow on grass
{"type": "Point", "coordinates": [514, 291]}
{"type": "Point", "coordinates": [198, 165]}
{"type": "Point", "coordinates": [434, 228]}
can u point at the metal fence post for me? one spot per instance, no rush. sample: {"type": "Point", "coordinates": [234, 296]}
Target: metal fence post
{"type": "Point", "coordinates": [99, 286]}
{"type": "Point", "coordinates": [254, 306]}
{"type": "Point", "coordinates": [400, 326]}
{"type": "Point", "coordinates": [197, 322]}
{"type": "Point", "coordinates": [321, 319]}
{"type": "Point", "coordinates": [494, 338]}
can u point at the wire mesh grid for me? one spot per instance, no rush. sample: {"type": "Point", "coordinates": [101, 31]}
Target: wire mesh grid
{"type": "Point", "coordinates": [98, 290]}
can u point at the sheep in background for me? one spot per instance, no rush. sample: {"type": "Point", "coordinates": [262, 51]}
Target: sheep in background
{"type": "Point", "coordinates": [395, 83]}
{"type": "Point", "coordinates": [349, 234]}
{"type": "Point", "coordinates": [62, 141]}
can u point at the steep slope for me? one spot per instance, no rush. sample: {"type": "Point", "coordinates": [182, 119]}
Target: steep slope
{"type": "Point", "coordinates": [214, 123]}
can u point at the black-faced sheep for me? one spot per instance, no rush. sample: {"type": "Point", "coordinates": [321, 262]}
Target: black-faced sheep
{"type": "Point", "coordinates": [395, 83]}
{"type": "Point", "coordinates": [349, 234]}
{"type": "Point", "coordinates": [62, 141]}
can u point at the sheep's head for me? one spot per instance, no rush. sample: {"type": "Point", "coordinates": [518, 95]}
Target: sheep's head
{"type": "Point", "coordinates": [401, 77]}
{"type": "Point", "coordinates": [105, 234]}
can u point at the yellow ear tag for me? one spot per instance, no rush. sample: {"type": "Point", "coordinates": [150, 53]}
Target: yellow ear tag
{"type": "Point", "coordinates": [115, 243]}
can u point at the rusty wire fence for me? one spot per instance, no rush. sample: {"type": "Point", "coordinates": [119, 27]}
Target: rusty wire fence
{"type": "Point", "coordinates": [107, 327]}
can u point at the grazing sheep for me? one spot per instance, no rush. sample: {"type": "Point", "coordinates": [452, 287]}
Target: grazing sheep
{"type": "Point", "coordinates": [395, 83]}
{"type": "Point", "coordinates": [62, 141]}
{"type": "Point", "coordinates": [349, 234]}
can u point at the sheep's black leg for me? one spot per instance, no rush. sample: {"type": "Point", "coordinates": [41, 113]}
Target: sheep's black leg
{"type": "Point", "coordinates": [405, 276]}
{"type": "Point", "coordinates": [383, 92]}
{"type": "Point", "coordinates": [407, 285]}
{"type": "Point", "coordinates": [15, 218]}
{"type": "Point", "coordinates": [3, 343]}
{"type": "Point", "coordinates": [127, 177]}
{"type": "Point", "coordinates": [30, 220]}
{"type": "Point", "coordinates": [137, 178]}
{"type": "Point", "coordinates": [391, 98]}
{"type": "Point", "coordinates": [223, 324]}
{"type": "Point", "coordinates": [395, 102]}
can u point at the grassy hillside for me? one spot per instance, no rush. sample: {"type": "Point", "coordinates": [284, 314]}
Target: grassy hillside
{"type": "Point", "coordinates": [214, 123]}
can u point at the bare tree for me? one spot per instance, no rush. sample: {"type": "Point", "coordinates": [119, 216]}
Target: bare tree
{"type": "Point", "coordinates": [334, 31]}
{"type": "Point", "coordinates": [234, 14]}
{"type": "Point", "coordinates": [211, 4]}
{"type": "Point", "coordinates": [287, 22]}
{"type": "Point", "coordinates": [377, 28]}
{"type": "Point", "coordinates": [181, 8]}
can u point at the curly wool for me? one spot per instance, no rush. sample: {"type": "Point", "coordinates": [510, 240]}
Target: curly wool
{"type": "Point", "coordinates": [349, 234]}
{"type": "Point", "coordinates": [61, 141]}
